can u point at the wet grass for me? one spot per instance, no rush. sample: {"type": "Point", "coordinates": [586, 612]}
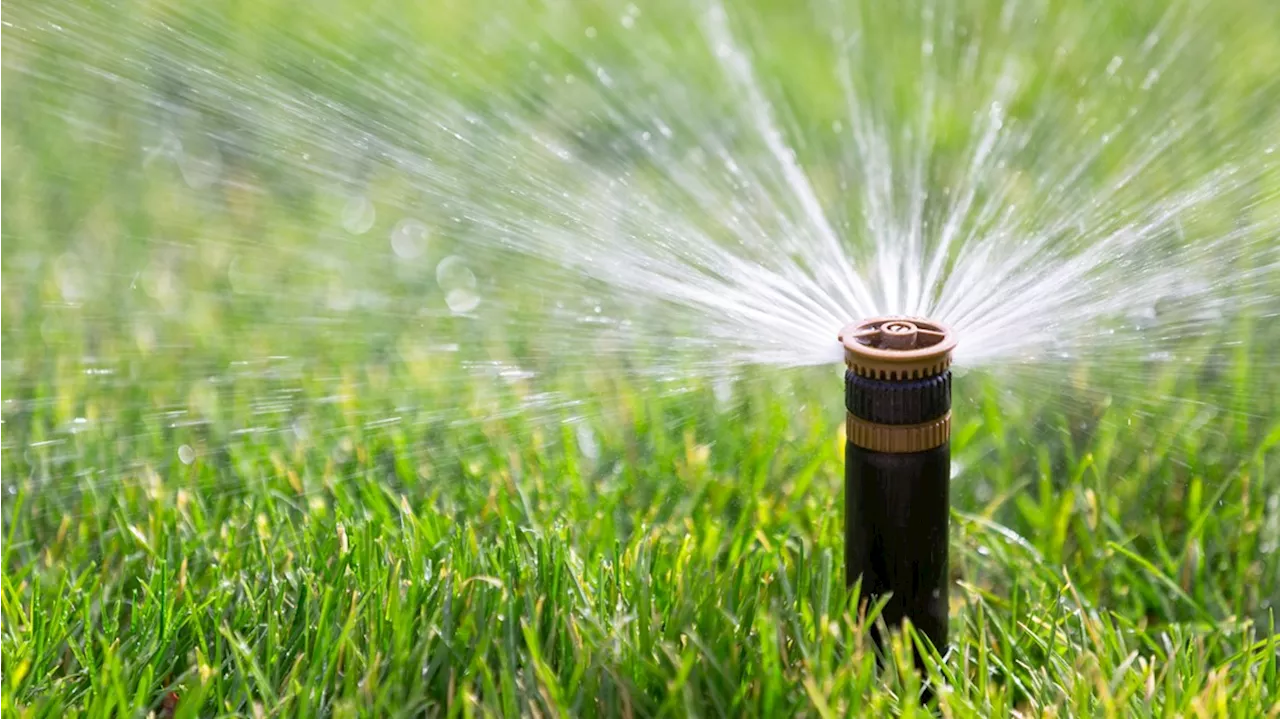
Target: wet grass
{"type": "Point", "coordinates": [221, 500]}
{"type": "Point", "coordinates": [679, 557]}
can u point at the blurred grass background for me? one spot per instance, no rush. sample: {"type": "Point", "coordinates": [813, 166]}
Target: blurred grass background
{"type": "Point", "coordinates": [241, 477]}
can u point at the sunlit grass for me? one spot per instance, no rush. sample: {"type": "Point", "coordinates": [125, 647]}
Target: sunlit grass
{"type": "Point", "coordinates": [221, 498]}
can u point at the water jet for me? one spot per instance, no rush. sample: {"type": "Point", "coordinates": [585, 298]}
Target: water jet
{"type": "Point", "coordinates": [898, 466]}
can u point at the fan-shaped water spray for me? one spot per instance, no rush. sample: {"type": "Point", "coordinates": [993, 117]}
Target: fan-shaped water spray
{"type": "Point", "coordinates": [699, 218]}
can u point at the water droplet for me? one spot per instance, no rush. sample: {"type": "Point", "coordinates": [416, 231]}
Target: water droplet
{"type": "Point", "coordinates": [358, 215]}
{"type": "Point", "coordinates": [629, 16]}
{"type": "Point", "coordinates": [982, 491]}
{"type": "Point", "coordinates": [199, 161]}
{"type": "Point", "coordinates": [722, 389]}
{"type": "Point", "coordinates": [587, 443]}
{"type": "Point", "coordinates": [186, 454]}
{"type": "Point", "coordinates": [459, 284]}
{"type": "Point", "coordinates": [409, 239]}
{"type": "Point", "coordinates": [70, 278]}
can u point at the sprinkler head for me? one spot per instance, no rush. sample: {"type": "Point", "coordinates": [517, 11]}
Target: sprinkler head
{"type": "Point", "coordinates": [898, 467]}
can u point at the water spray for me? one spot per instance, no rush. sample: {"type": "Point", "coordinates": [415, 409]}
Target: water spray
{"type": "Point", "coordinates": [898, 467]}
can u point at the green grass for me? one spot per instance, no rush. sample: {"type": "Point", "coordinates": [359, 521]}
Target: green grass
{"type": "Point", "coordinates": [398, 536]}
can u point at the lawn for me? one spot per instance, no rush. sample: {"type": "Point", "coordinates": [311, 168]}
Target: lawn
{"type": "Point", "coordinates": [256, 462]}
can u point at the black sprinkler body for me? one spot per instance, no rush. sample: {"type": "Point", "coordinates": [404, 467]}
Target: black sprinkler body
{"type": "Point", "coordinates": [898, 468]}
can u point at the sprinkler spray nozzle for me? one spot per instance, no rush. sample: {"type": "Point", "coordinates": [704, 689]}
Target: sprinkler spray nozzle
{"type": "Point", "coordinates": [898, 467]}
{"type": "Point", "coordinates": [895, 348]}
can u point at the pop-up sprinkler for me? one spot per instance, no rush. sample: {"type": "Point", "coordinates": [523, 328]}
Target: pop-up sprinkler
{"type": "Point", "coordinates": [898, 466]}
